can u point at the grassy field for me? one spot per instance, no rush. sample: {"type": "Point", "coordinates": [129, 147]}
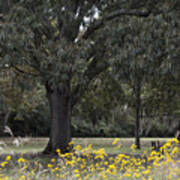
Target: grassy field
{"type": "Point", "coordinates": [24, 145]}
{"type": "Point", "coordinates": [108, 158]}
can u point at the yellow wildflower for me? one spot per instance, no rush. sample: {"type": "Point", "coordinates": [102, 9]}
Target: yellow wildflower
{"type": "Point", "coordinates": [71, 143]}
{"type": "Point", "coordinates": [99, 156]}
{"type": "Point", "coordinates": [136, 175]}
{"type": "Point", "coordinates": [22, 177]}
{"type": "Point", "coordinates": [112, 166]}
{"type": "Point", "coordinates": [78, 148]}
{"type": "Point", "coordinates": [154, 153]}
{"type": "Point", "coordinates": [106, 163]}
{"type": "Point", "coordinates": [21, 160]}
{"type": "Point", "coordinates": [119, 146]}
{"type": "Point", "coordinates": [53, 170]}
{"type": "Point", "coordinates": [150, 178]}
{"type": "Point", "coordinates": [115, 141]}
{"type": "Point", "coordinates": [62, 176]}
{"type": "Point", "coordinates": [53, 160]}
{"type": "Point", "coordinates": [58, 151]}
{"type": "Point", "coordinates": [3, 164]}
{"type": "Point", "coordinates": [50, 166]}
{"type": "Point", "coordinates": [76, 171]}
{"type": "Point", "coordinates": [101, 151]}
{"type": "Point", "coordinates": [127, 175]}
{"type": "Point", "coordinates": [8, 158]}
{"type": "Point", "coordinates": [175, 151]}
{"type": "Point", "coordinates": [71, 163]}
{"type": "Point", "coordinates": [89, 147]}
{"type": "Point", "coordinates": [133, 147]}
{"type": "Point", "coordinates": [175, 140]}
{"type": "Point", "coordinates": [146, 172]}
{"type": "Point", "coordinates": [102, 174]}
{"type": "Point", "coordinates": [77, 175]}
{"type": "Point", "coordinates": [167, 145]}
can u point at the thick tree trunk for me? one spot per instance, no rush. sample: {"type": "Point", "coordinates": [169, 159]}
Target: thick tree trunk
{"type": "Point", "coordinates": [60, 107]}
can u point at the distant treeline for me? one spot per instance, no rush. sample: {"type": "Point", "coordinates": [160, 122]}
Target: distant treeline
{"type": "Point", "coordinates": [37, 124]}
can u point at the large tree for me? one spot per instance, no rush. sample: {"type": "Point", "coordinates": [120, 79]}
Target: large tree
{"type": "Point", "coordinates": [65, 45]}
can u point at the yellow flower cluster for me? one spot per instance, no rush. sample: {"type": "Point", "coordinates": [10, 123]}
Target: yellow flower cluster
{"type": "Point", "coordinates": [87, 163]}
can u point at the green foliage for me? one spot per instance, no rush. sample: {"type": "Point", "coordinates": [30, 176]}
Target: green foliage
{"type": "Point", "coordinates": [40, 42]}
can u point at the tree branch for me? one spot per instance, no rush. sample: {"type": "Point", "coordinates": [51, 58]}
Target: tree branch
{"type": "Point", "coordinates": [23, 72]}
{"type": "Point", "coordinates": [99, 23]}
{"type": "Point", "coordinates": [93, 70]}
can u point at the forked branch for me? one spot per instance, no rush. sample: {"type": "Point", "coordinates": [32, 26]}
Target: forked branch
{"type": "Point", "coordinates": [99, 23]}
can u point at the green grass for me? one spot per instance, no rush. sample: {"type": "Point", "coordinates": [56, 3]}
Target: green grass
{"type": "Point", "coordinates": [38, 144]}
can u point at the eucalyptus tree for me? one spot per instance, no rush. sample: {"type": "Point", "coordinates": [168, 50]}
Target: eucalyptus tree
{"type": "Point", "coordinates": [65, 45]}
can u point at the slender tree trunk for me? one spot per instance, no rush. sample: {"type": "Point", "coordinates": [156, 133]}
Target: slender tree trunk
{"type": "Point", "coordinates": [60, 107]}
{"type": "Point", "coordinates": [177, 135]}
{"type": "Point", "coordinates": [138, 107]}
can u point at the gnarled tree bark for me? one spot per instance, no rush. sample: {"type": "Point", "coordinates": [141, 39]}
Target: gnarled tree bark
{"type": "Point", "coordinates": [60, 107]}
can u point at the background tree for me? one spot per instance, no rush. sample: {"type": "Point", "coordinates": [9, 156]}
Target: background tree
{"type": "Point", "coordinates": [17, 98]}
{"type": "Point", "coordinates": [148, 57]}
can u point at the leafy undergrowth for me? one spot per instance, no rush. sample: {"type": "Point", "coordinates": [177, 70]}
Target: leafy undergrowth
{"type": "Point", "coordinates": [88, 163]}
